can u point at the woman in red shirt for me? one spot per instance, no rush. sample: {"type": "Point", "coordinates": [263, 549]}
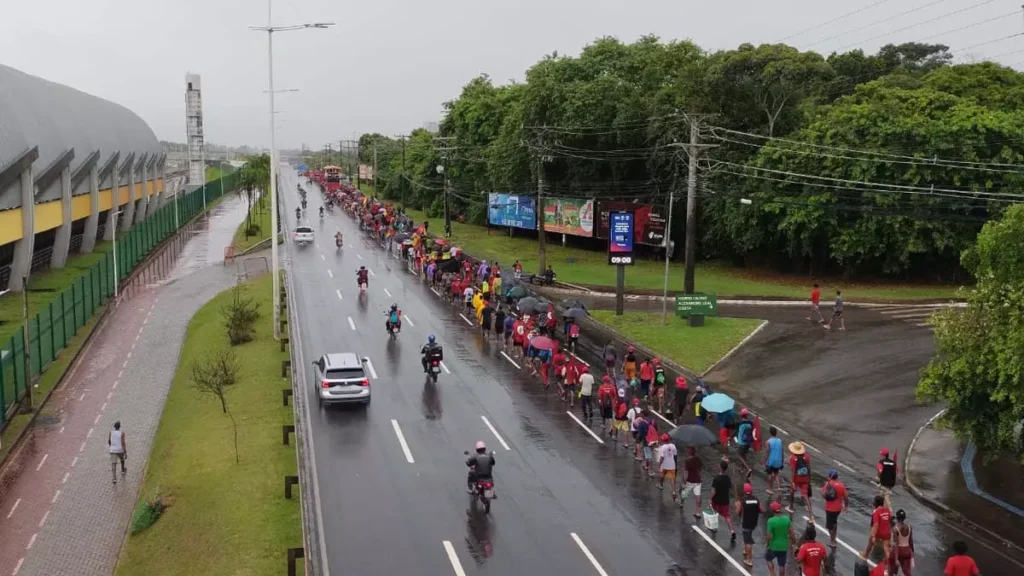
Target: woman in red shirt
{"type": "Point", "coordinates": [881, 529]}
{"type": "Point", "coordinates": [960, 564]}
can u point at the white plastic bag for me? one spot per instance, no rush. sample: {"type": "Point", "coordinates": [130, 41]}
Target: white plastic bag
{"type": "Point", "coordinates": [711, 519]}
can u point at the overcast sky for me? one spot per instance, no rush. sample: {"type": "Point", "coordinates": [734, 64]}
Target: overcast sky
{"type": "Point", "coordinates": [389, 64]}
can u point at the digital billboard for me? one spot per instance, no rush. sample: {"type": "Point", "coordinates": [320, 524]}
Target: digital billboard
{"type": "Point", "coordinates": [512, 211]}
{"type": "Point", "coordinates": [648, 224]}
{"type": "Point", "coordinates": [573, 216]}
{"type": "Point", "coordinates": [620, 238]}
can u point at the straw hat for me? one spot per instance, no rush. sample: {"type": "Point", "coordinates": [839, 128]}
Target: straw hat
{"type": "Point", "coordinates": [797, 448]}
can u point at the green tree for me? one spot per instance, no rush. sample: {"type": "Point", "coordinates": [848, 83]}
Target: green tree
{"type": "Point", "coordinates": [978, 371]}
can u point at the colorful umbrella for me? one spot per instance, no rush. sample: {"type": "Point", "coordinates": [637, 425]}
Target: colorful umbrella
{"type": "Point", "coordinates": [543, 343]}
{"type": "Point", "coordinates": [717, 403]}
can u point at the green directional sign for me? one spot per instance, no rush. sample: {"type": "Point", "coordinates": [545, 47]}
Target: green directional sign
{"type": "Point", "coordinates": [705, 304]}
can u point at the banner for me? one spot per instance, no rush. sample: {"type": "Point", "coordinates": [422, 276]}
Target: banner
{"type": "Point", "coordinates": [620, 244]}
{"type": "Point", "coordinates": [512, 211]}
{"type": "Point", "coordinates": [573, 216]}
{"type": "Point", "coordinates": [649, 221]}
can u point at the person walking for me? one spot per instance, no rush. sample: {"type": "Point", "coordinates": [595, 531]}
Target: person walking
{"type": "Point", "coordinates": [812, 555]}
{"type": "Point", "coordinates": [836, 501]}
{"type": "Point", "coordinates": [903, 538]}
{"type": "Point", "coordinates": [691, 480]}
{"type": "Point", "coordinates": [586, 392]}
{"type": "Point", "coordinates": [117, 446]}
{"type": "Point", "coordinates": [881, 531]}
{"type": "Point", "coordinates": [778, 534]}
{"type": "Point", "coordinates": [815, 299]}
{"type": "Point", "coordinates": [800, 465]}
{"type": "Point", "coordinates": [837, 313]}
{"type": "Point", "coordinates": [887, 473]}
{"type": "Point", "coordinates": [680, 395]}
{"type": "Point", "coordinates": [667, 464]}
{"type": "Point", "coordinates": [721, 492]}
{"type": "Point", "coordinates": [960, 564]}
{"type": "Point", "coordinates": [773, 461]}
{"type": "Point", "coordinates": [750, 510]}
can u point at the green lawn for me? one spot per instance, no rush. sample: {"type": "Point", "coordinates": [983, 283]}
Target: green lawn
{"type": "Point", "coordinates": [590, 268]}
{"type": "Point", "coordinates": [694, 348]}
{"type": "Point", "coordinates": [226, 518]}
{"type": "Point", "coordinates": [43, 287]}
{"type": "Point", "coordinates": [261, 218]}
{"type": "Point", "coordinates": [214, 172]}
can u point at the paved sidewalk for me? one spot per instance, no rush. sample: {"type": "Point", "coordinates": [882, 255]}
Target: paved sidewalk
{"type": "Point", "coordinates": [72, 520]}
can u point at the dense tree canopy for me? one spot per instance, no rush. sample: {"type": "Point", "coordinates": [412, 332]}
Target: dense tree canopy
{"type": "Point", "coordinates": [872, 164]}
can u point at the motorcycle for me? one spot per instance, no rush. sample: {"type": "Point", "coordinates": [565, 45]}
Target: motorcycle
{"type": "Point", "coordinates": [433, 369]}
{"type": "Point", "coordinates": [484, 491]}
{"type": "Point", "coordinates": [338, 242]}
{"type": "Point", "coordinates": [362, 288]}
{"type": "Point", "coordinates": [393, 329]}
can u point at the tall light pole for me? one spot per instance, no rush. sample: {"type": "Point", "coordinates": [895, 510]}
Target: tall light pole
{"type": "Point", "coordinates": [270, 29]}
{"type": "Point", "coordinates": [113, 239]}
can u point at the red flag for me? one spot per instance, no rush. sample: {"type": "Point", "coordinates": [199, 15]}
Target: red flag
{"type": "Point", "coordinates": [757, 434]}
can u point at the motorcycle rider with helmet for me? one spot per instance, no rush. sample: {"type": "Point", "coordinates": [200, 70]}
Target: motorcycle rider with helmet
{"type": "Point", "coordinates": [321, 211]}
{"type": "Point", "coordinates": [394, 320]}
{"type": "Point", "coordinates": [362, 277]}
{"type": "Point", "coordinates": [431, 351]}
{"type": "Point", "coordinates": [481, 465]}
{"type": "Point", "coordinates": [338, 239]}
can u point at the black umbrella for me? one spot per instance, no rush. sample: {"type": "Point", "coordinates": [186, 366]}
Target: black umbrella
{"type": "Point", "coordinates": [541, 307]}
{"type": "Point", "coordinates": [575, 313]}
{"type": "Point", "coordinates": [573, 304]}
{"type": "Point", "coordinates": [449, 265]}
{"type": "Point", "coordinates": [516, 291]}
{"type": "Point", "coordinates": [692, 435]}
{"type": "Point", "coordinates": [526, 305]}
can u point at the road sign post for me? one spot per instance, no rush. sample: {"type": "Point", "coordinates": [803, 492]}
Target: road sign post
{"type": "Point", "coordinates": [696, 305]}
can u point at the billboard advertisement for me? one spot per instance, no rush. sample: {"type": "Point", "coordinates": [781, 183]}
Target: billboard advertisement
{"type": "Point", "coordinates": [649, 223]}
{"type": "Point", "coordinates": [620, 241]}
{"type": "Point", "coordinates": [512, 211]}
{"type": "Point", "coordinates": [573, 216]}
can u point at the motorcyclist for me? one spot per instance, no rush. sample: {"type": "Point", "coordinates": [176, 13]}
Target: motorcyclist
{"type": "Point", "coordinates": [298, 213]}
{"type": "Point", "coordinates": [338, 239]}
{"type": "Point", "coordinates": [480, 465]}
{"type": "Point", "coordinates": [303, 203]}
{"type": "Point", "coordinates": [362, 276]}
{"type": "Point", "coordinates": [394, 318]}
{"type": "Point", "coordinates": [431, 351]}
{"type": "Point", "coordinates": [321, 211]}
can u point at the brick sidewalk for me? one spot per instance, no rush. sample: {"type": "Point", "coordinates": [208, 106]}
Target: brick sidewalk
{"type": "Point", "coordinates": [71, 519]}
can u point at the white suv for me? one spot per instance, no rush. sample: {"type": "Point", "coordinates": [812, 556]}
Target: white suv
{"type": "Point", "coordinates": [303, 235]}
{"type": "Point", "coordinates": [341, 379]}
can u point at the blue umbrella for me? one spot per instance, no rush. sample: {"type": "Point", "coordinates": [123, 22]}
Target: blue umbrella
{"type": "Point", "coordinates": [717, 403]}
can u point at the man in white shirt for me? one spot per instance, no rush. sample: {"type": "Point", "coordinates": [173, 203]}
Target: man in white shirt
{"type": "Point", "coordinates": [632, 416]}
{"type": "Point", "coordinates": [587, 392]}
{"type": "Point", "coordinates": [667, 463]}
{"type": "Point", "coordinates": [117, 446]}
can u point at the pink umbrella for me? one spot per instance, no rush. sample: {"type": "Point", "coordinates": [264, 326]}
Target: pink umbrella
{"type": "Point", "coordinates": [543, 343]}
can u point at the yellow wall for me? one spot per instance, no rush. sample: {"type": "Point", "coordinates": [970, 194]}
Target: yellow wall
{"type": "Point", "coordinates": [160, 184]}
{"type": "Point", "coordinates": [150, 187]}
{"type": "Point", "coordinates": [122, 195]}
{"type": "Point", "coordinates": [81, 206]}
{"type": "Point", "coordinates": [106, 200]}
{"type": "Point", "coordinates": [138, 191]}
{"type": "Point", "coordinates": [10, 226]}
{"type": "Point", "coordinates": [49, 215]}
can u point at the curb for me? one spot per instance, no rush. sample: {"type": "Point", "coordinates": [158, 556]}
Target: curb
{"type": "Point", "coordinates": [763, 301]}
{"type": "Point", "coordinates": [948, 513]}
{"type": "Point", "coordinates": [735, 348]}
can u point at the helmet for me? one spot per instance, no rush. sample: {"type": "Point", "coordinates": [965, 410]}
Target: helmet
{"type": "Point", "coordinates": [362, 267]}
{"type": "Point", "coordinates": [833, 474]}
{"type": "Point", "coordinates": [884, 452]}
{"type": "Point", "coordinates": [664, 437]}
{"type": "Point", "coordinates": [748, 488]}
{"type": "Point", "coordinates": [776, 507]}
{"type": "Point", "coordinates": [480, 446]}
{"type": "Point", "coordinates": [431, 339]}
{"type": "Point", "coordinates": [744, 412]}
{"type": "Point", "coordinates": [394, 306]}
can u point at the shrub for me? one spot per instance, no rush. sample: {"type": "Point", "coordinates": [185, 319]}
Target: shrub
{"type": "Point", "coordinates": [149, 511]}
{"type": "Point", "coordinates": [240, 316]}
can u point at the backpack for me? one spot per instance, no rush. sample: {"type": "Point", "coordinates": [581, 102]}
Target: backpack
{"type": "Point", "coordinates": [830, 491]}
{"type": "Point", "coordinates": [746, 432]}
{"type": "Point", "coordinates": [652, 434]}
{"type": "Point", "coordinates": [620, 411]}
{"type": "Point", "coordinates": [659, 376]}
{"type": "Point", "coordinates": [802, 468]}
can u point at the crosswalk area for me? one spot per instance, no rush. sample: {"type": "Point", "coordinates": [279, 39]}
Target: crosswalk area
{"type": "Point", "coordinates": [915, 314]}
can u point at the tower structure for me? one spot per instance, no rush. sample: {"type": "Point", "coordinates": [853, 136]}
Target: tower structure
{"type": "Point", "coordinates": [194, 130]}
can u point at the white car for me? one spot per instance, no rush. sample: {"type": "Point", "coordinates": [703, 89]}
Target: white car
{"type": "Point", "coordinates": [303, 235]}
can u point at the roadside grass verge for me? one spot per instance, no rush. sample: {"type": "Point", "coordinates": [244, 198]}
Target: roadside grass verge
{"type": "Point", "coordinates": [226, 518]}
{"type": "Point", "coordinates": [591, 269]}
{"type": "Point", "coordinates": [260, 219]}
{"type": "Point", "coordinates": [696, 348]}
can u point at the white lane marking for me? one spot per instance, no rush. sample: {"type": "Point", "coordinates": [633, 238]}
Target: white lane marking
{"type": "Point", "coordinates": [82, 447]}
{"type": "Point", "coordinates": [841, 465]}
{"type": "Point", "coordinates": [133, 346]}
{"type": "Point", "coordinates": [584, 426]}
{"type": "Point", "coordinates": [369, 365]}
{"type": "Point", "coordinates": [401, 440]}
{"type": "Point", "coordinates": [13, 508]}
{"type": "Point", "coordinates": [61, 430]}
{"type": "Point", "coordinates": [446, 370]}
{"type": "Point", "coordinates": [18, 567]}
{"type": "Point", "coordinates": [351, 324]}
{"type": "Point", "coordinates": [31, 541]}
{"type": "Point", "coordinates": [104, 407]}
{"type": "Point", "coordinates": [922, 324]}
{"type": "Point", "coordinates": [55, 496]}
{"type": "Point", "coordinates": [388, 293]}
{"type": "Point", "coordinates": [45, 516]}
{"type": "Point", "coordinates": [89, 433]}
{"type": "Point", "coordinates": [74, 461]}
{"type": "Point", "coordinates": [322, 257]}
{"type": "Point", "coordinates": [82, 397]}
{"type": "Point", "coordinates": [588, 554]}
{"type": "Point", "coordinates": [409, 320]}
{"type": "Point", "coordinates": [507, 357]}
{"type": "Point", "coordinates": [466, 319]}
{"type": "Point", "coordinates": [573, 354]}
{"type": "Point", "coordinates": [360, 256]}
{"type": "Point", "coordinates": [719, 549]}
{"type": "Point", "coordinates": [666, 420]}
{"type": "Point", "coordinates": [495, 432]}
{"type": "Point", "coordinates": [329, 273]}
{"type": "Point", "coordinates": [434, 290]}
{"type": "Point", "coordinates": [848, 547]}
{"type": "Point", "coordinates": [109, 394]}
{"type": "Point", "coordinates": [779, 429]}
{"type": "Point", "coordinates": [119, 374]}
{"type": "Point", "coordinates": [812, 447]}
{"type": "Point", "coordinates": [340, 297]}
{"type": "Point", "coordinates": [453, 558]}
{"type": "Point", "coordinates": [98, 416]}
{"type": "Point", "coordinates": [128, 357]}
{"type": "Point", "coordinates": [115, 385]}
{"type": "Point", "coordinates": [371, 272]}
{"type": "Point", "coordinates": [65, 480]}
{"type": "Point", "coordinates": [43, 461]}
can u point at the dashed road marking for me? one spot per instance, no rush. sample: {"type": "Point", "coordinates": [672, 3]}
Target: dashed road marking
{"type": "Point", "coordinates": [720, 551]}
{"type": "Point", "coordinates": [848, 547]}
{"type": "Point", "coordinates": [82, 397]}
{"type": "Point", "coordinates": [585, 427]}
{"type": "Point", "coordinates": [55, 496]}
{"type": "Point", "coordinates": [841, 465]}
{"type": "Point", "coordinates": [588, 554]}
{"type": "Point", "coordinates": [104, 407]}
{"type": "Point", "coordinates": [329, 273]}
{"type": "Point", "coordinates": [388, 293]}
{"type": "Point", "coordinates": [65, 479]}
{"type": "Point", "coordinates": [351, 324]}
{"type": "Point", "coordinates": [43, 461]}
{"type": "Point", "coordinates": [495, 432]}
{"type": "Point", "coordinates": [17, 567]}
{"type": "Point", "coordinates": [358, 255]}
{"type": "Point", "coordinates": [109, 394]}
{"type": "Point", "coordinates": [434, 290]}
{"type": "Point", "coordinates": [369, 365]}
{"type": "Point", "coordinates": [61, 430]}
{"type": "Point", "coordinates": [371, 272]}
{"type": "Point", "coordinates": [129, 356]}
{"type": "Point", "coordinates": [74, 461]}
{"type": "Point", "coordinates": [463, 316]}
{"type": "Point", "coordinates": [812, 447]}
{"type": "Point", "coordinates": [82, 447]}
{"type": "Point", "coordinates": [115, 385]}
{"type": "Point", "coordinates": [13, 508]}
{"type": "Point", "coordinates": [89, 433]}
{"type": "Point", "coordinates": [340, 297]}
{"type": "Point", "coordinates": [97, 420]}
{"type": "Point", "coordinates": [401, 441]}
{"type": "Point", "coordinates": [453, 558]}
{"type": "Point", "coordinates": [45, 516]}
{"type": "Point", "coordinates": [322, 257]}
{"type": "Point", "coordinates": [446, 370]}
{"type": "Point", "coordinates": [666, 420]}
{"type": "Point", "coordinates": [119, 374]}
{"type": "Point", "coordinates": [509, 358]}
{"type": "Point", "coordinates": [409, 320]}
{"type": "Point", "coordinates": [32, 541]}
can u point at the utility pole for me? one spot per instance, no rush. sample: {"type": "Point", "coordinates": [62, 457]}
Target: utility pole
{"type": "Point", "coordinates": [27, 409]}
{"type": "Point", "coordinates": [375, 191]}
{"type": "Point", "coordinates": [691, 201]}
{"type": "Point", "coordinates": [542, 249]}
{"type": "Point", "coordinates": [445, 149]}
{"type": "Point", "coordinates": [401, 183]}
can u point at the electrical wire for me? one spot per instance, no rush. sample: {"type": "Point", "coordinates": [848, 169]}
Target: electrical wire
{"type": "Point", "coordinates": [834, 20]}
{"type": "Point", "coordinates": [922, 23]}
{"type": "Point", "coordinates": [877, 22]}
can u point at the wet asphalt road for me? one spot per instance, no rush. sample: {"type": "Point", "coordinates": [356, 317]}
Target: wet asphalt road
{"type": "Point", "coordinates": [383, 514]}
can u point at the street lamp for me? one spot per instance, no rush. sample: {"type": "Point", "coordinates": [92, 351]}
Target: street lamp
{"type": "Point", "coordinates": [113, 239]}
{"type": "Point", "coordinates": [270, 29]}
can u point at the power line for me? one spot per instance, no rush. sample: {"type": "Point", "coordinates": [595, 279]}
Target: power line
{"type": "Point", "coordinates": [969, 26]}
{"type": "Point", "coordinates": [922, 23]}
{"type": "Point", "coordinates": [836, 19]}
{"type": "Point", "coordinates": [987, 42]}
{"type": "Point", "coordinates": [876, 22]}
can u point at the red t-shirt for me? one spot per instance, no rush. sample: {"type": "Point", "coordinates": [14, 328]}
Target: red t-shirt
{"type": "Point", "coordinates": [559, 359]}
{"type": "Point", "coordinates": [518, 331]}
{"type": "Point", "coordinates": [792, 466]}
{"type": "Point", "coordinates": [882, 517]}
{"type": "Point", "coordinates": [837, 504]}
{"type": "Point", "coordinates": [815, 296]}
{"type": "Point", "coordinates": [646, 371]}
{"type": "Point", "coordinates": [810, 556]}
{"type": "Point", "coordinates": [572, 373]}
{"type": "Point", "coordinates": [961, 566]}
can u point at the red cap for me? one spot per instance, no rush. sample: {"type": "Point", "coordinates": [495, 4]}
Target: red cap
{"type": "Point", "coordinates": [607, 379]}
{"type": "Point", "coordinates": [748, 488]}
{"type": "Point", "coordinates": [680, 382]}
{"type": "Point", "coordinates": [655, 361]}
{"type": "Point", "coordinates": [584, 368]}
{"type": "Point", "coordinates": [744, 412]}
{"type": "Point", "coordinates": [664, 438]}
{"type": "Point", "coordinates": [631, 349]}
{"type": "Point", "coordinates": [885, 452]}
{"type": "Point", "coordinates": [776, 507]}
{"type": "Point", "coordinates": [636, 401]}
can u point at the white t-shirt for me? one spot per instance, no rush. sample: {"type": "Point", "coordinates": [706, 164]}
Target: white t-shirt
{"type": "Point", "coordinates": [587, 384]}
{"type": "Point", "coordinates": [632, 415]}
{"type": "Point", "coordinates": [468, 294]}
{"type": "Point", "coordinates": [116, 442]}
{"type": "Point", "coordinates": [667, 453]}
